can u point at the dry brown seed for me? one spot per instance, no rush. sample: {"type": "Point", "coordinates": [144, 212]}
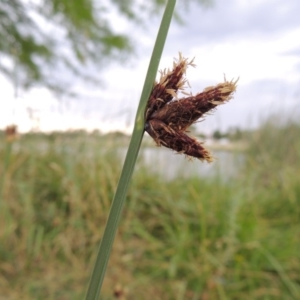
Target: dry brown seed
{"type": "Point", "coordinates": [184, 112]}
{"type": "Point", "coordinates": [167, 117]}
{"type": "Point", "coordinates": [170, 82]}
{"type": "Point", "coordinates": [176, 140]}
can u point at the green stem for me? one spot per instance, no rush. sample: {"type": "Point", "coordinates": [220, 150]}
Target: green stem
{"type": "Point", "coordinates": [134, 146]}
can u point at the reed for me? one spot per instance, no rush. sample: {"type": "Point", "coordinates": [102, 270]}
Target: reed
{"type": "Point", "coordinates": [136, 139]}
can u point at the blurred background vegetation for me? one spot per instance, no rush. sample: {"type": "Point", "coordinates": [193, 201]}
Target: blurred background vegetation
{"type": "Point", "coordinates": [229, 235]}
{"type": "Point", "coordinates": [43, 42]}
{"type": "Point", "coordinates": [226, 236]}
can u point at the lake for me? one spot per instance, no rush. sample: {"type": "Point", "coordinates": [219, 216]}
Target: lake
{"type": "Point", "coordinates": [170, 165]}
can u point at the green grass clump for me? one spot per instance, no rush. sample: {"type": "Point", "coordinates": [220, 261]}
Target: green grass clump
{"type": "Point", "coordinates": [189, 238]}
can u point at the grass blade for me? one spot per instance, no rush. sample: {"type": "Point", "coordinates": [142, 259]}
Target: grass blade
{"type": "Point", "coordinates": [134, 146]}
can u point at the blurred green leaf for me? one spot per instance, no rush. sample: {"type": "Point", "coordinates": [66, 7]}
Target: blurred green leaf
{"type": "Point", "coordinates": [43, 42]}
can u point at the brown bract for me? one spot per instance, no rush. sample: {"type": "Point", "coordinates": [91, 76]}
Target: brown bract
{"type": "Point", "coordinates": [167, 117]}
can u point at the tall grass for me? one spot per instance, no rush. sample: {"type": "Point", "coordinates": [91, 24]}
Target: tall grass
{"type": "Point", "coordinates": [195, 238]}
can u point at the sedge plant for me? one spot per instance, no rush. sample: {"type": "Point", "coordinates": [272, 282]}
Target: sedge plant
{"type": "Point", "coordinates": [166, 117]}
{"type": "Point", "coordinates": [111, 227]}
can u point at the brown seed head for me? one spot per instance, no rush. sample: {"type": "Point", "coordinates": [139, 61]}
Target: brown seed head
{"type": "Point", "coordinates": [167, 117]}
{"type": "Point", "coordinates": [180, 114]}
{"type": "Point", "coordinates": [177, 140]}
{"type": "Point", "coordinates": [170, 82]}
{"type": "Point", "coordinates": [11, 133]}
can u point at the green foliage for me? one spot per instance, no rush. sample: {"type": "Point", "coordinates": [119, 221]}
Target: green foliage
{"type": "Point", "coordinates": [44, 42]}
{"type": "Point", "coordinates": [192, 238]}
{"type": "Point", "coordinates": [217, 135]}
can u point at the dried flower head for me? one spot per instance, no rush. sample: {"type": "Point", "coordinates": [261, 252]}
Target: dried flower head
{"type": "Point", "coordinates": [170, 82]}
{"type": "Point", "coordinates": [11, 133]}
{"type": "Point", "coordinates": [167, 117]}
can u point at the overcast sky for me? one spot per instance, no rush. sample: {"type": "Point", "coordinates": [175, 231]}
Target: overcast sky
{"type": "Point", "coordinates": [257, 41]}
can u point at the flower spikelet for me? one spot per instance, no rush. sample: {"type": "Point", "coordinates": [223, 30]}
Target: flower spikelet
{"type": "Point", "coordinates": [176, 140]}
{"type": "Point", "coordinates": [168, 118]}
{"type": "Point", "coordinates": [170, 82]}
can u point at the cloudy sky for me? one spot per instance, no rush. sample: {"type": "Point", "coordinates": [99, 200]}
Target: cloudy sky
{"type": "Point", "coordinates": [257, 41]}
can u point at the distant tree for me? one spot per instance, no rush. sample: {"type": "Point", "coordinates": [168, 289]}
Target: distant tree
{"type": "Point", "coordinates": [217, 135]}
{"type": "Point", "coordinates": [42, 39]}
